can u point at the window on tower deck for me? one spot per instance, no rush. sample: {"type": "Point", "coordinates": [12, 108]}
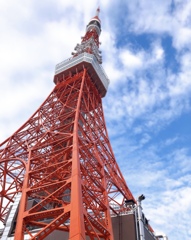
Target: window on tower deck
{"type": "Point", "coordinates": [95, 23]}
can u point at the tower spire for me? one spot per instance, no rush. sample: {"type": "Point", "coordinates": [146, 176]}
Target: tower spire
{"type": "Point", "coordinates": [98, 11]}
{"type": "Point", "coordinates": [90, 41]}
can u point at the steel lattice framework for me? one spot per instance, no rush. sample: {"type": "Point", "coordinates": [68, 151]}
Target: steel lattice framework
{"type": "Point", "coordinates": [62, 158]}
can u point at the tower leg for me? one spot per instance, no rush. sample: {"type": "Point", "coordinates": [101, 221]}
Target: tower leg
{"type": "Point", "coordinates": [19, 231]}
{"type": "Point", "coordinates": [77, 231]}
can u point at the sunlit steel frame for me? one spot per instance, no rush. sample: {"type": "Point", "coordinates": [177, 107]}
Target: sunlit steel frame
{"type": "Point", "coordinates": [62, 158]}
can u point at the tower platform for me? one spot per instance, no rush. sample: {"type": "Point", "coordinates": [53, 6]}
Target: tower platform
{"type": "Point", "coordinates": [77, 64]}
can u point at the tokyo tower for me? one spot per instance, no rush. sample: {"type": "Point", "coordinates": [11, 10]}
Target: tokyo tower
{"type": "Point", "coordinates": [58, 175]}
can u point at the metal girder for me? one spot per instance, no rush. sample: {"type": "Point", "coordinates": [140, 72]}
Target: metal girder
{"type": "Point", "coordinates": [66, 168]}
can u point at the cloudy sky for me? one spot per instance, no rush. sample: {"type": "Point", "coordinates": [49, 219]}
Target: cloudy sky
{"type": "Point", "coordinates": [146, 48]}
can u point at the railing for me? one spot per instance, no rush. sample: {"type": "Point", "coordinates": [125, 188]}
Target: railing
{"type": "Point", "coordinates": [86, 57]}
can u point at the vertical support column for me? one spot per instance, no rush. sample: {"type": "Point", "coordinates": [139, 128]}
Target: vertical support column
{"type": "Point", "coordinates": [77, 228]}
{"type": "Point", "coordinates": [19, 231]}
{"type": "Point", "coordinates": [107, 216]}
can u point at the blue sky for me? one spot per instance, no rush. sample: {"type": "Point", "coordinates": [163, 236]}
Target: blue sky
{"type": "Point", "coordinates": [146, 48]}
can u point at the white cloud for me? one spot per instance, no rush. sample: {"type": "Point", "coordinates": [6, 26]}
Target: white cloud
{"type": "Point", "coordinates": [131, 60]}
{"type": "Point", "coordinates": [170, 141]}
{"type": "Point", "coordinates": [168, 17]}
{"type": "Point", "coordinates": [169, 208]}
{"type": "Point", "coordinates": [180, 83]}
{"type": "Point", "coordinates": [182, 37]}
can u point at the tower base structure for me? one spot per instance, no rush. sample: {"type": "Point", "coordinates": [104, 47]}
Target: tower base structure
{"type": "Point", "coordinates": [125, 226]}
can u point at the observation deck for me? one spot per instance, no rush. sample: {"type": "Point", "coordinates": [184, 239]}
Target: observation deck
{"type": "Point", "coordinates": [77, 63]}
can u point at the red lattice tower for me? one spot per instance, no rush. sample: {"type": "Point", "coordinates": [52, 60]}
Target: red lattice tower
{"type": "Point", "coordinates": [61, 158]}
